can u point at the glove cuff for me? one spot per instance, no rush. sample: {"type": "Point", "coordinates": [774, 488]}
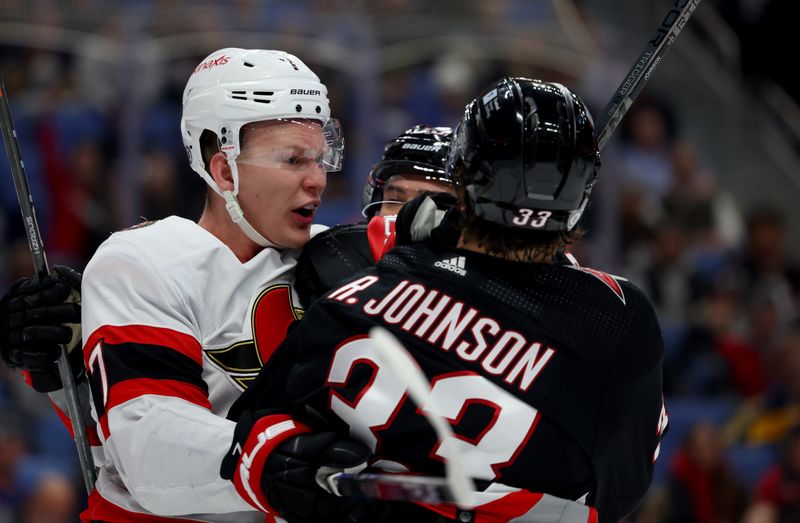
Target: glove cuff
{"type": "Point", "coordinates": [428, 217]}
{"type": "Point", "coordinates": [267, 433]}
{"type": "Point", "coordinates": [49, 380]}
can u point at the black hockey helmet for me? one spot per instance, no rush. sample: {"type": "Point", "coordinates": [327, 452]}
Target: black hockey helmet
{"type": "Point", "coordinates": [421, 150]}
{"type": "Point", "coordinates": [528, 155]}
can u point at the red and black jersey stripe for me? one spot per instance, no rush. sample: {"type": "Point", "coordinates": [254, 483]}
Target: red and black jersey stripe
{"type": "Point", "coordinates": [138, 360]}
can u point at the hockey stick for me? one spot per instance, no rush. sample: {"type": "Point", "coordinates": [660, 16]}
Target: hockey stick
{"type": "Point", "coordinates": [405, 367]}
{"type": "Point", "coordinates": [40, 265]}
{"type": "Point", "coordinates": [456, 487]}
{"type": "Point", "coordinates": [394, 487]}
{"type": "Point", "coordinates": [637, 77]}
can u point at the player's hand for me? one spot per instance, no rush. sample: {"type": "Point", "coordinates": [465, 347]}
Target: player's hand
{"type": "Point", "coordinates": [292, 476]}
{"type": "Point", "coordinates": [274, 462]}
{"type": "Point", "coordinates": [36, 316]}
{"type": "Point", "coordinates": [428, 216]}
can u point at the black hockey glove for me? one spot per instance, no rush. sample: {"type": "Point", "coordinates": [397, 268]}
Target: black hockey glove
{"type": "Point", "coordinates": [431, 216]}
{"type": "Point", "coordinates": [36, 315]}
{"type": "Point", "coordinates": [275, 462]}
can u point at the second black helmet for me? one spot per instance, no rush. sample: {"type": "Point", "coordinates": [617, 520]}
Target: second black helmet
{"type": "Point", "coordinates": [420, 151]}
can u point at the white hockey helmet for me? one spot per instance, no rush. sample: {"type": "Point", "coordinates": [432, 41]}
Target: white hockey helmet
{"type": "Point", "coordinates": [233, 87]}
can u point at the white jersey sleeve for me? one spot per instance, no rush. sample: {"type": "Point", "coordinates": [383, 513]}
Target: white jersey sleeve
{"type": "Point", "coordinates": [161, 441]}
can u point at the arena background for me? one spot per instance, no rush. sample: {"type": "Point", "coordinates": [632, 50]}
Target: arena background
{"type": "Point", "coordinates": [696, 202]}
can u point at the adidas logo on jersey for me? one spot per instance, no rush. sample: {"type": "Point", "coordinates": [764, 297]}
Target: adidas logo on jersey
{"type": "Point", "coordinates": [453, 264]}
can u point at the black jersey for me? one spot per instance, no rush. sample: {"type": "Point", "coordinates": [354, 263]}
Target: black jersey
{"type": "Point", "coordinates": [549, 373]}
{"type": "Point", "coordinates": [332, 256]}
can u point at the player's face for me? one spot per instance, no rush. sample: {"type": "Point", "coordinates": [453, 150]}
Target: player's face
{"type": "Point", "coordinates": [281, 178]}
{"type": "Point", "coordinates": [402, 188]}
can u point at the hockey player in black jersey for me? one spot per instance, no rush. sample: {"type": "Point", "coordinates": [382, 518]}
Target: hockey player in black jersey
{"type": "Point", "coordinates": [549, 372]}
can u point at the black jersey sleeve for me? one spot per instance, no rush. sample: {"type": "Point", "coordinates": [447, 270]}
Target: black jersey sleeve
{"type": "Point", "coordinates": [630, 424]}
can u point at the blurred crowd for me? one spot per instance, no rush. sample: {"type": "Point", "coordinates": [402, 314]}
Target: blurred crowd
{"type": "Point", "coordinates": [726, 290]}
{"type": "Point", "coordinates": [762, 27]}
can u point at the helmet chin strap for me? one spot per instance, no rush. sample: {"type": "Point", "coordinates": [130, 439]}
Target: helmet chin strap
{"type": "Point", "coordinates": [236, 213]}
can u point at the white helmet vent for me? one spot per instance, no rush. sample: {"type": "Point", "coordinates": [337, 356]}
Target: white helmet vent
{"type": "Point", "coordinates": [263, 97]}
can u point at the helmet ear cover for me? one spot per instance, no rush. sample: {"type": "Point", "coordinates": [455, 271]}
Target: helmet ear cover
{"type": "Point", "coordinates": [528, 153]}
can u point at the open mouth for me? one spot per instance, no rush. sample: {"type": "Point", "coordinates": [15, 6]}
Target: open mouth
{"type": "Point", "coordinates": [306, 211]}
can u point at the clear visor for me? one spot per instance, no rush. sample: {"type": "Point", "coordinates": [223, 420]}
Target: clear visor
{"type": "Point", "coordinates": [293, 145]}
{"type": "Point", "coordinates": [400, 189]}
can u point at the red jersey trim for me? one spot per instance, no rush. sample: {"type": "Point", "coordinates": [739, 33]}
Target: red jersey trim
{"type": "Point", "coordinates": [504, 509]}
{"type": "Point", "coordinates": [91, 430]}
{"type": "Point", "coordinates": [100, 509]}
{"type": "Point", "coordinates": [127, 390]}
{"type": "Point", "coordinates": [145, 334]}
{"type": "Point", "coordinates": [266, 434]}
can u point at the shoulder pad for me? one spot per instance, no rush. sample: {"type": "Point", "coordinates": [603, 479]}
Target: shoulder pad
{"type": "Point", "coordinates": [330, 257]}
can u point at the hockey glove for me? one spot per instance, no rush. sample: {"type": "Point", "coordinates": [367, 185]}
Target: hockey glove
{"type": "Point", "coordinates": [36, 315]}
{"type": "Point", "coordinates": [274, 463]}
{"type": "Point", "coordinates": [428, 216]}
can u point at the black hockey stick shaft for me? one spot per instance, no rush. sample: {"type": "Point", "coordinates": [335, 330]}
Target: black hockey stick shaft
{"type": "Point", "coordinates": [393, 487]}
{"type": "Point", "coordinates": [643, 68]}
{"type": "Point", "coordinates": [40, 266]}
{"type": "Point", "coordinates": [398, 487]}
{"type": "Point", "coordinates": [437, 490]}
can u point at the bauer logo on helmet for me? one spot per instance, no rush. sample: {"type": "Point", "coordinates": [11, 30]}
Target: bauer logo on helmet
{"type": "Point", "coordinates": [306, 92]}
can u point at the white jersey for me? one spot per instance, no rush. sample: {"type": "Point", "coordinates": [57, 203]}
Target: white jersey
{"type": "Point", "coordinates": [175, 326]}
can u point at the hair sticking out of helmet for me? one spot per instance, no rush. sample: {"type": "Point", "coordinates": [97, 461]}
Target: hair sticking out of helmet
{"type": "Point", "coordinates": [233, 87]}
{"type": "Point", "coordinates": [527, 155]}
{"type": "Point", "coordinates": [419, 153]}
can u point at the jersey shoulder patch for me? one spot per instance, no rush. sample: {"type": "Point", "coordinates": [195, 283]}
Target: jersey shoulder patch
{"type": "Point", "coordinates": [610, 280]}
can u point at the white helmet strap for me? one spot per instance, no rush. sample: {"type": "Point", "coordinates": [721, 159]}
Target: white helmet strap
{"type": "Point", "coordinates": [235, 210]}
{"type": "Point", "coordinates": [236, 214]}
{"type": "Point", "coordinates": [230, 156]}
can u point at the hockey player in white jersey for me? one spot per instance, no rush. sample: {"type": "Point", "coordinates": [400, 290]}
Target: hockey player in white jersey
{"type": "Point", "coordinates": [152, 349]}
{"type": "Point", "coordinates": [178, 316]}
